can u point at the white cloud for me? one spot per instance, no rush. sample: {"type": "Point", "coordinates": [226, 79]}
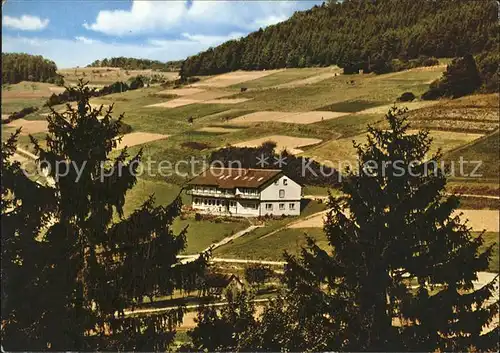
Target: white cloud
{"type": "Point", "coordinates": [25, 23]}
{"type": "Point", "coordinates": [212, 40]}
{"type": "Point", "coordinates": [160, 16]}
{"type": "Point", "coordinates": [85, 40]}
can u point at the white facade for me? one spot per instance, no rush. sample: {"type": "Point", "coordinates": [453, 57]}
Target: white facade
{"type": "Point", "coordinates": [278, 196]}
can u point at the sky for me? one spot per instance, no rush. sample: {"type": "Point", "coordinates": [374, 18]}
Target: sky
{"type": "Point", "coordinates": [75, 33]}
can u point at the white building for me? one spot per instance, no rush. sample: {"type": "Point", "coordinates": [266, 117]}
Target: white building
{"type": "Point", "coordinates": [245, 192]}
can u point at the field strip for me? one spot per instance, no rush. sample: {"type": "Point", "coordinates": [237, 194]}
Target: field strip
{"type": "Point", "coordinates": [29, 126]}
{"type": "Point", "coordinates": [226, 101]}
{"type": "Point", "coordinates": [288, 117]}
{"type": "Point", "coordinates": [311, 117]}
{"type": "Point", "coordinates": [289, 143]}
{"type": "Point", "coordinates": [232, 78]}
{"type": "Point", "coordinates": [181, 91]}
{"type": "Point", "coordinates": [138, 138]}
{"type": "Point", "coordinates": [309, 80]}
{"type": "Point", "coordinates": [478, 220]}
{"type": "Point", "coordinates": [216, 129]}
{"type": "Point", "coordinates": [174, 103]}
{"type": "Point", "coordinates": [382, 109]}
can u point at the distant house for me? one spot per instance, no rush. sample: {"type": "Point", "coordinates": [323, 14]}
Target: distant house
{"type": "Point", "coordinates": [245, 192]}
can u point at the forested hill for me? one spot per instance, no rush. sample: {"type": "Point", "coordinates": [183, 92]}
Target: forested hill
{"type": "Point", "coordinates": [358, 34]}
{"type": "Point", "coordinates": [17, 67]}
{"type": "Point", "coordinates": [137, 64]}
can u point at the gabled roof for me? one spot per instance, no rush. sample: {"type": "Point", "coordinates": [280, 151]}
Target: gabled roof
{"type": "Point", "coordinates": [230, 178]}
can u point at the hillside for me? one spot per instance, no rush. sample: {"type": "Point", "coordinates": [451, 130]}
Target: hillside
{"type": "Point", "coordinates": [358, 34]}
{"type": "Point", "coordinates": [17, 67]}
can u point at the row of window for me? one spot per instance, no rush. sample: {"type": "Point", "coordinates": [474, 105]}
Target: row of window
{"type": "Point", "coordinates": [281, 206]}
{"type": "Point", "coordinates": [252, 205]}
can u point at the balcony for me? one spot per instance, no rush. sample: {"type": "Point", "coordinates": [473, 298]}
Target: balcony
{"type": "Point", "coordinates": [221, 194]}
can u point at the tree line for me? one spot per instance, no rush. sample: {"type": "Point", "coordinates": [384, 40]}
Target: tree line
{"type": "Point", "coordinates": [463, 76]}
{"type": "Point", "coordinates": [358, 34]}
{"type": "Point", "coordinates": [70, 95]}
{"type": "Point", "coordinates": [137, 64]}
{"type": "Point", "coordinates": [17, 67]}
{"type": "Point", "coordinates": [397, 272]}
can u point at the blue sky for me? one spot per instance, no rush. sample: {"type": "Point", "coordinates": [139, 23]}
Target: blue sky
{"type": "Point", "coordinates": [78, 32]}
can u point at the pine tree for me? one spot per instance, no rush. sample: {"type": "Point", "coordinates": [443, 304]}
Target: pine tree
{"type": "Point", "coordinates": [227, 328]}
{"type": "Point", "coordinates": [400, 272]}
{"type": "Point", "coordinates": [84, 268]}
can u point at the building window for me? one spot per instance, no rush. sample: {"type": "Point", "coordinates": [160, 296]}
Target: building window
{"type": "Point", "coordinates": [282, 206]}
{"type": "Point", "coordinates": [282, 194]}
{"type": "Point", "coordinates": [232, 203]}
{"type": "Point", "coordinates": [291, 206]}
{"type": "Point", "coordinates": [269, 206]}
{"type": "Point", "coordinates": [285, 181]}
{"type": "Point", "coordinates": [218, 202]}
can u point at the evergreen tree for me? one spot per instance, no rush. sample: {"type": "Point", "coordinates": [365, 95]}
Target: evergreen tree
{"type": "Point", "coordinates": [401, 270]}
{"type": "Point", "coordinates": [70, 267]}
{"type": "Point", "coordinates": [460, 78]}
{"type": "Point", "coordinates": [224, 329]}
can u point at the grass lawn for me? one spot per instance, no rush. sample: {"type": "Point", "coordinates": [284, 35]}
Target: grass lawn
{"type": "Point", "coordinates": [272, 248]}
{"type": "Point", "coordinates": [250, 246]}
{"type": "Point", "coordinates": [201, 234]}
{"type": "Point", "coordinates": [281, 77]}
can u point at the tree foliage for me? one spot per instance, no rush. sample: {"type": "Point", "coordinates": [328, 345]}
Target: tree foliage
{"type": "Point", "coordinates": [358, 34]}
{"type": "Point", "coordinates": [258, 274]}
{"type": "Point", "coordinates": [72, 262]}
{"type": "Point", "coordinates": [460, 78]}
{"type": "Point", "coordinates": [17, 67]}
{"type": "Point", "coordinates": [225, 328]}
{"type": "Point", "coordinates": [137, 64]}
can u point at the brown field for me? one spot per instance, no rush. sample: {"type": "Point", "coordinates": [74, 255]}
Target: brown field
{"type": "Point", "coordinates": [29, 126]}
{"type": "Point", "coordinates": [478, 220]}
{"type": "Point", "coordinates": [233, 78]}
{"type": "Point", "coordinates": [383, 109]}
{"type": "Point", "coordinates": [310, 80]}
{"type": "Point", "coordinates": [138, 138]}
{"type": "Point", "coordinates": [226, 101]}
{"type": "Point", "coordinates": [181, 91]}
{"type": "Point", "coordinates": [288, 117]}
{"type": "Point", "coordinates": [312, 117]}
{"type": "Point", "coordinates": [289, 143]}
{"type": "Point", "coordinates": [216, 129]}
{"type": "Point", "coordinates": [57, 89]}
{"type": "Point", "coordinates": [28, 90]}
{"type": "Point", "coordinates": [174, 103]}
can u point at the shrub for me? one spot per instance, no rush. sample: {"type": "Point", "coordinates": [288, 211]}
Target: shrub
{"type": "Point", "coordinates": [460, 79]}
{"type": "Point", "coordinates": [195, 145]}
{"type": "Point", "coordinates": [406, 97]}
{"type": "Point", "coordinates": [20, 114]}
{"type": "Point", "coordinates": [198, 217]}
